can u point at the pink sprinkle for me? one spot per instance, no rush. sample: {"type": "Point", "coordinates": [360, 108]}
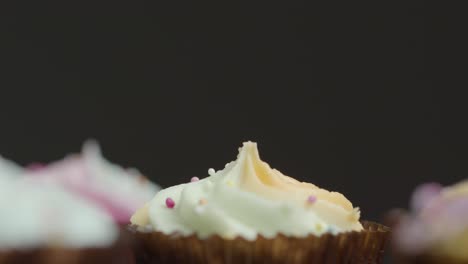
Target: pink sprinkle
{"type": "Point", "coordinates": [311, 199]}
{"type": "Point", "coordinates": [194, 179]}
{"type": "Point", "coordinates": [170, 203]}
{"type": "Point", "coordinates": [35, 166]}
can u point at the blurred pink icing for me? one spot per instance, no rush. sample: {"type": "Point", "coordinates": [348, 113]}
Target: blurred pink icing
{"type": "Point", "coordinates": [118, 191]}
{"type": "Point", "coordinates": [434, 217]}
{"type": "Point", "coordinates": [423, 194]}
{"type": "Point", "coordinates": [35, 166]}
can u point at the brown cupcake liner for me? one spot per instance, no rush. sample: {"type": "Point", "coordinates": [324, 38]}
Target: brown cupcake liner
{"type": "Point", "coordinates": [427, 259]}
{"type": "Point", "coordinates": [69, 256]}
{"type": "Point", "coordinates": [119, 253]}
{"type": "Point", "coordinates": [366, 246]}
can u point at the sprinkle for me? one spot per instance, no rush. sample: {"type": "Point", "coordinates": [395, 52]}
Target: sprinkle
{"type": "Point", "coordinates": [211, 171]}
{"type": "Point", "coordinates": [170, 203]}
{"type": "Point", "coordinates": [331, 230]}
{"type": "Point", "coordinates": [202, 201]}
{"type": "Point", "coordinates": [199, 209]}
{"type": "Point", "coordinates": [194, 179]}
{"type": "Point", "coordinates": [319, 227]}
{"type": "Point", "coordinates": [229, 235]}
{"type": "Point", "coordinates": [311, 199]}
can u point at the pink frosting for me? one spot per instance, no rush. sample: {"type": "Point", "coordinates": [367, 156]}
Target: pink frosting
{"type": "Point", "coordinates": [118, 191]}
{"type": "Point", "coordinates": [433, 218]}
{"type": "Point", "coordinates": [424, 194]}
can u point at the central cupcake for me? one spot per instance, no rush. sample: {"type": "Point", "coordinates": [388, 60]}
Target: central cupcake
{"type": "Point", "coordinates": [251, 213]}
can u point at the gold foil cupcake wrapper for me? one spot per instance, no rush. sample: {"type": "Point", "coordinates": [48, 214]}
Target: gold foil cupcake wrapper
{"type": "Point", "coordinates": [366, 246]}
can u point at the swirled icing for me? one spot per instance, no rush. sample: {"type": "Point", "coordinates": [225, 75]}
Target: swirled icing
{"type": "Point", "coordinates": [248, 198]}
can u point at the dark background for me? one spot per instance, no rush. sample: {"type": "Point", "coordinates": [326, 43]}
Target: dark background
{"type": "Point", "coordinates": [363, 98]}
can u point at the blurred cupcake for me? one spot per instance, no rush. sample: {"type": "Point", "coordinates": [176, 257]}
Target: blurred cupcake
{"type": "Point", "coordinates": [436, 228]}
{"type": "Point", "coordinates": [45, 224]}
{"type": "Point", "coordinates": [71, 211]}
{"type": "Point", "coordinates": [250, 213]}
{"type": "Point", "coordinates": [116, 190]}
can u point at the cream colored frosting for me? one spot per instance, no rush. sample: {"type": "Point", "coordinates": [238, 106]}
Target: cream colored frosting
{"type": "Point", "coordinates": [248, 198]}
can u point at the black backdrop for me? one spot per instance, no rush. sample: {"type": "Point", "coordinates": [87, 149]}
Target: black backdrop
{"type": "Point", "coordinates": [354, 97]}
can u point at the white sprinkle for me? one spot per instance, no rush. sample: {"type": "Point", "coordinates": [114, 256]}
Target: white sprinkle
{"type": "Point", "coordinates": [199, 209]}
{"type": "Point", "coordinates": [332, 230]}
{"type": "Point", "coordinates": [211, 171]}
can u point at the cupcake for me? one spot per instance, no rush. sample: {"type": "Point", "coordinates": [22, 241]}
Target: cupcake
{"type": "Point", "coordinates": [251, 213]}
{"type": "Point", "coordinates": [435, 230]}
{"type": "Point", "coordinates": [71, 211]}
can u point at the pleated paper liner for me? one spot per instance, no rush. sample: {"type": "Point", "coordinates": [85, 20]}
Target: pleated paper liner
{"type": "Point", "coordinates": [366, 246]}
{"type": "Point", "coordinates": [119, 253]}
{"type": "Point", "coordinates": [427, 259]}
{"type": "Point", "coordinates": [68, 256]}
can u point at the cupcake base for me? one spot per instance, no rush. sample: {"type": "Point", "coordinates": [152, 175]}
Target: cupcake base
{"type": "Point", "coordinates": [69, 256]}
{"type": "Point", "coordinates": [119, 253]}
{"type": "Point", "coordinates": [427, 259]}
{"type": "Point", "coordinates": [353, 247]}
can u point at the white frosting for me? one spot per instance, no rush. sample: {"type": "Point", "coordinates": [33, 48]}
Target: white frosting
{"type": "Point", "coordinates": [246, 199]}
{"type": "Point", "coordinates": [35, 216]}
{"type": "Point", "coordinates": [8, 170]}
{"type": "Point", "coordinates": [75, 202]}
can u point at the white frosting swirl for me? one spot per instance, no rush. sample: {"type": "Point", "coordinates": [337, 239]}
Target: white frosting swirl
{"type": "Point", "coordinates": [34, 215]}
{"type": "Point", "coordinates": [246, 199]}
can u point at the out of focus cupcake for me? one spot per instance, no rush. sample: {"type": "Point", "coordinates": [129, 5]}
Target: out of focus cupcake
{"type": "Point", "coordinates": [45, 224]}
{"type": "Point", "coordinates": [435, 230]}
{"type": "Point", "coordinates": [71, 211]}
{"type": "Point", "coordinates": [116, 190]}
{"type": "Point", "coordinates": [251, 213]}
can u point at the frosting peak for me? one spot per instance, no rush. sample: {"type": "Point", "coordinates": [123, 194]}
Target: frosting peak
{"type": "Point", "coordinates": [257, 176]}
{"type": "Point", "coordinates": [248, 198]}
